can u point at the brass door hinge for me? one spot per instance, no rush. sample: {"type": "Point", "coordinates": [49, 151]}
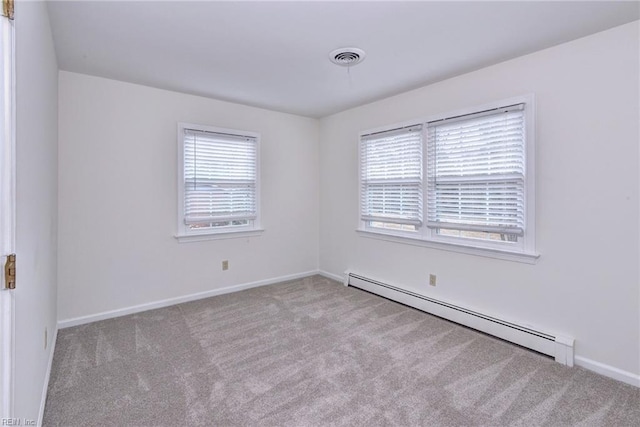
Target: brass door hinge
{"type": "Point", "coordinates": [7, 8]}
{"type": "Point", "coordinates": [10, 272]}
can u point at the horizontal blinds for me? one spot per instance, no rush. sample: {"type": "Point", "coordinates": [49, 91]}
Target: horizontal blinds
{"type": "Point", "coordinates": [219, 177]}
{"type": "Point", "coordinates": [391, 176]}
{"type": "Point", "coordinates": [476, 172]}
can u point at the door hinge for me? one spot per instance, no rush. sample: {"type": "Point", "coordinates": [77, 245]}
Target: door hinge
{"type": "Point", "coordinates": [7, 8]}
{"type": "Point", "coordinates": [10, 272]}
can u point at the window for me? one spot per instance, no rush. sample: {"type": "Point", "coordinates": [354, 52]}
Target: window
{"type": "Point", "coordinates": [218, 182]}
{"type": "Point", "coordinates": [478, 193]}
{"type": "Point", "coordinates": [476, 175]}
{"type": "Point", "coordinates": [391, 178]}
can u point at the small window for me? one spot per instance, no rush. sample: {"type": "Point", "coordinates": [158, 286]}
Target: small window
{"type": "Point", "coordinates": [218, 180]}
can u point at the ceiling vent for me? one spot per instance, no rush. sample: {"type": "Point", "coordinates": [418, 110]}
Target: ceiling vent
{"type": "Point", "coordinates": [347, 56]}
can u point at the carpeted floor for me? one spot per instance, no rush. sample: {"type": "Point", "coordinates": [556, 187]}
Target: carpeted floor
{"type": "Point", "coordinates": [312, 352]}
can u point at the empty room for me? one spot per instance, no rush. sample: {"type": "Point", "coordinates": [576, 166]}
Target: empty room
{"type": "Point", "coordinates": [310, 213]}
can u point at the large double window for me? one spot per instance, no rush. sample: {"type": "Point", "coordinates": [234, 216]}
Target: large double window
{"type": "Point", "coordinates": [218, 180]}
{"type": "Point", "coordinates": [463, 179]}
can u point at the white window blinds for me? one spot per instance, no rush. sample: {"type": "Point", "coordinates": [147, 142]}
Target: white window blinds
{"type": "Point", "coordinates": [219, 178]}
{"type": "Point", "coordinates": [476, 172]}
{"type": "Point", "coordinates": [391, 176]}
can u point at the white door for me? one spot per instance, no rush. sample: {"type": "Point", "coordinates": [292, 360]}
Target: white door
{"type": "Point", "coordinates": [7, 204]}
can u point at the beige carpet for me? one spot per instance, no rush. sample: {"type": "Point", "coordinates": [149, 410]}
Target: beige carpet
{"type": "Point", "coordinates": [312, 352]}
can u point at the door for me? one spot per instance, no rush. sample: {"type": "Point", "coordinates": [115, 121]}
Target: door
{"type": "Point", "coordinates": [7, 205]}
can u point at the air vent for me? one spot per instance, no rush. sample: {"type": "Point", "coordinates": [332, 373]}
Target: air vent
{"type": "Point", "coordinates": [347, 56]}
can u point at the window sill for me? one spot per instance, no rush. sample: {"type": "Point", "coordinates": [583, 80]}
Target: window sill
{"type": "Point", "coordinates": [524, 257]}
{"type": "Point", "coordinates": [200, 237]}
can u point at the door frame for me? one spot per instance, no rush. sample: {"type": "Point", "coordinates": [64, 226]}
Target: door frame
{"type": "Point", "coordinates": [7, 212]}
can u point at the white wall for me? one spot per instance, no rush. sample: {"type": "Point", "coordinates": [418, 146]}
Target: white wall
{"type": "Point", "coordinates": [37, 203]}
{"type": "Point", "coordinates": [586, 282]}
{"type": "Point", "coordinates": [118, 197]}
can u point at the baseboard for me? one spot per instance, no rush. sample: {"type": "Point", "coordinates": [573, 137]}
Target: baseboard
{"type": "Point", "coordinates": [331, 276]}
{"type": "Point", "coordinates": [67, 323]}
{"type": "Point", "coordinates": [47, 375]}
{"type": "Point", "coordinates": [608, 371]}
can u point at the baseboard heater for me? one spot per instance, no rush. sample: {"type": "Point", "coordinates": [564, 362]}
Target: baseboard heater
{"type": "Point", "coordinates": [557, 346]}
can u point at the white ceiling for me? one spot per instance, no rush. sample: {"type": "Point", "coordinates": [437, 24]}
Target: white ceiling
{"type": "Point", "coordinates": [275, 54]}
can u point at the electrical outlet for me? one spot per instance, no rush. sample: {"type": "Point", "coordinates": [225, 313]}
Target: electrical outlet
{"type": "Point", "coordinates": [46, 338]}
{"type": "Point", "coordinates": [432, 279]}
{"type": "Point", "coordinates": [225, 265]}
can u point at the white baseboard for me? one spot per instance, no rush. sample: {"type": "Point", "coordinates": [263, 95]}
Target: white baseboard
{"type": "Point", "coordinates": [67, 323]}
{"type": "Point", "coordinates": [47, 375]}
{"type": "Point", "coordinates": [608, 371]}
{"type": "Point", "coordinates": [331, 276]}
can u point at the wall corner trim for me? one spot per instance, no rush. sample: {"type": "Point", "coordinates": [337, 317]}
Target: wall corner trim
{"type": "Point", "coordinates": [336, 277]}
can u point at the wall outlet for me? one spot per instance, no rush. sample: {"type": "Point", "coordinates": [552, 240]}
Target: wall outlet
{"type": "Point", "coordinates": [225, 265]}
{"type": "Point", "coordinates": [432, 279]}
{"type": "Point", "coordinates": [46, 338]}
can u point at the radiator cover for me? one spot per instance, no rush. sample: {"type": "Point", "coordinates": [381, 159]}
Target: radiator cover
{"type": "Point", "coordinates": [554, 345]}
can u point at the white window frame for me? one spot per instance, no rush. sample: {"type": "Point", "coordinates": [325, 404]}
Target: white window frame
{"type": "Point", "coordinates": [413, 222]}
{"type": "Point", "coordinates": [522, 251]}
{"type": "Point", "coordinates": [364, 226]}
{"type": "Point", "coordinates": [184, 234]}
